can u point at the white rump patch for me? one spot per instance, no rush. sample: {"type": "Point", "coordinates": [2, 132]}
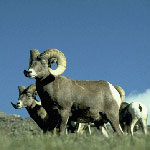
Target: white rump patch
{"type": "Point", "coordinates": [134, 109]}
{"type": "Point", "coordinates": [115, 94]}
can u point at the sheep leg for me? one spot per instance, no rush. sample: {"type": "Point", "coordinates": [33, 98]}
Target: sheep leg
{"type": "Point", "coordinates": [104, 132]}
{"type": "Point", "coordinates": [101, 127]}
{"type": "Point", "coordinates": [63, 121]}
{"type": "Point", "coordinates": [128, 129]}
{"type": "Point", "coordinates": [89, 129]}
{"type": "Point", "coordinates": [114, 121]}
{"type": "Point", "coordinates": [80, 128]}
{"type": "Point", "coordinates": [133, 122]}
{"type": "Point", "coordinates": [71, 126]}
{"type": "Point", "coordinates": [53, 121]}
{"type": "Point", "coordinates": [144, 125]}
{"type": "Point", "coordinates": [96, 117]}
{"type": "Point", "coordinates": [124, 127]}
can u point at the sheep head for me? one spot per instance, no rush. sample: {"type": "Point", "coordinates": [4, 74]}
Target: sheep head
{"type": "Point", "coordinates": [26, 96]}
{"type": "Point", "coordinates": [40, 64]}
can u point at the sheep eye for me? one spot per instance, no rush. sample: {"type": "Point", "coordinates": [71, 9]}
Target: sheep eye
{"type": "Point", "coordinates": [43, 61]}
{"type": "Point", "coordinates": [38, 58]}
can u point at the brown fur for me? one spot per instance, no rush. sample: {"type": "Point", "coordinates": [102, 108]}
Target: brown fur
{"type": "Point", "coordinates": [64, 98]}
{"type": "Point", "coordinates": [34, 108]}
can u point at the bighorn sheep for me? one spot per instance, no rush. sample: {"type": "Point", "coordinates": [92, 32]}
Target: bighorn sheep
{"type": "Point", "coordinates": [64, 98]}
{"type": "Point", "coordinates": [27, 99]}
{"type": "Point", "coordinates": [131, 114]}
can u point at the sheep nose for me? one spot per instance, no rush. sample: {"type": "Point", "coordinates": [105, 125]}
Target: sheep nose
{"type": "Point", "coordinates": [18, 103]}
{"type": "Point", "coordinates": [30, 71]}
{"type": "Point", "coordinates": [26, 73]}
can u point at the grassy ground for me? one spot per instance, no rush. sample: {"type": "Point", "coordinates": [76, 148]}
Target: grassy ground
{"type": "Point", "coordinates": [17, 133]}
{"type": "Point", "coordinates": [74, 142]}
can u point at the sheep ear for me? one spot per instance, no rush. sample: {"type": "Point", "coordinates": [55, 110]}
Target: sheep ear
{"type": "Point", "coordinates": [21, 89]}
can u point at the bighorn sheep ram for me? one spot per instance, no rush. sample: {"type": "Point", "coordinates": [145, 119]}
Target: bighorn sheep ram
{"type": "Point", "coordinates": [64, 98]}
{"type": "Point", "coordinates": [132, 114]}
{"type": "Point", "coordinates": [27, 99]}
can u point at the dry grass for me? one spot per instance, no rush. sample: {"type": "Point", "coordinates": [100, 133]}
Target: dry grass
{"type": "Point", "coordinates": [74, 142]}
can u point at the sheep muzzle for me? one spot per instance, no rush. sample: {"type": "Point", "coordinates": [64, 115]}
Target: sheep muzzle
{"type": "Point", "coordinates": [14, 105]}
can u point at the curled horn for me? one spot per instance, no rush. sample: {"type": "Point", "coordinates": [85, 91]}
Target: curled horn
{"type": "Point", "coordinates": [61, 60]}
{"type": "Point", "coordinates": [14, 105]}
{"type": "Point", "coordinates": [31, 88]}
{"type": "Point", "coordinates": [121, 92]}
{"type": "Point", "coordinates": [21, 89]}
{"type": "Point", "coordinates": [33, 55]}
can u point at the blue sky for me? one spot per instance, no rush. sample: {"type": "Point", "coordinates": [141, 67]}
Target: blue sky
{"type": "Point", "coordinates": [101, 39]}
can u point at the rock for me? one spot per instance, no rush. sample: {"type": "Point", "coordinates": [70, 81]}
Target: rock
{"type": "Point", "coordinates": [15, 125]}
